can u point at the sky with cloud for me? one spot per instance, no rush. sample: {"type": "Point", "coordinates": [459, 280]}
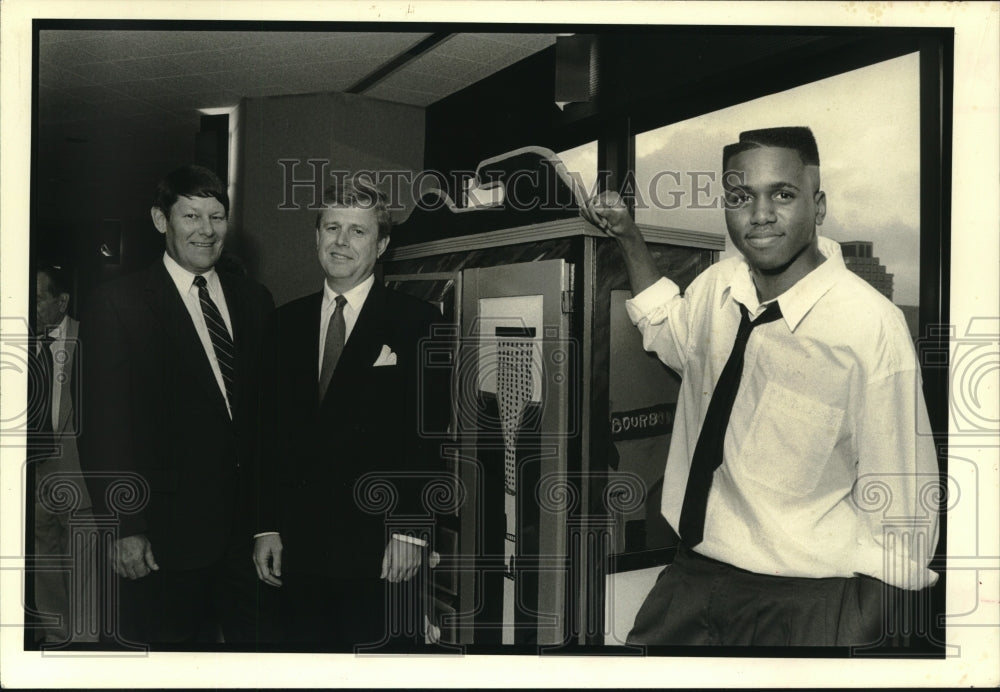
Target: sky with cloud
{"type": "Point", "coordinates": [867, 126]}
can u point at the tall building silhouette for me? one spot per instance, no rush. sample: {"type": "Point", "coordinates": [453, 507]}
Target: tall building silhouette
{"type": "Point", "coordinates": [858, 258]}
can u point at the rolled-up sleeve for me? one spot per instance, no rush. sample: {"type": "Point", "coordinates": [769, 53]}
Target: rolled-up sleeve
{"type": "Point", "coordinates": [660, 313]}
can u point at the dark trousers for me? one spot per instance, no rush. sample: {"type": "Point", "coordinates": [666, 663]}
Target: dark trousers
{"type": "Point", "coordinates": [319, 612]}
{"type": "Point", "coordinates": [220, 603]}
{"type": "Point", "coordinates": [703, 602]}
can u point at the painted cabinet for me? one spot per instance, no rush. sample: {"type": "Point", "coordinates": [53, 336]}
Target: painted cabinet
{"type": "Point", "coordinates": [560, 429]}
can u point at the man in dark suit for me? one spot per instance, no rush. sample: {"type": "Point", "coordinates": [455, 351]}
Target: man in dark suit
{"type": "Point", "coordinates": [59, 592]}
{"type": "Point", "coordinates": [170, 366]}
{"type": "Point", "coordinates": [345, 401]}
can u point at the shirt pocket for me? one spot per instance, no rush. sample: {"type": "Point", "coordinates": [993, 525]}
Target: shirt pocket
{"type": "Point", "coordinates": [789, 441]}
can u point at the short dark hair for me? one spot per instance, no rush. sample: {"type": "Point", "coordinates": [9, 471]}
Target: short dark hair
{"type": "Point", "coordinates": [189, 181]}
{"type": "Point", "coordinates": [359, 192]}
{"type": "Point", "coordinates": [800, 139]}
{"type": "Point", "coordinates": [59, 281]}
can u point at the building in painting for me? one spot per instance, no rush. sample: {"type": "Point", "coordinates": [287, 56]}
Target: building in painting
{"type": "Point", "coordinates": [859, 259]}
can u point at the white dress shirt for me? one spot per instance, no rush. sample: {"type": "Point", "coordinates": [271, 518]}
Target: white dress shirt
{"type": "Point", "coordinates": [184, 280]}
{"type": "Point", "coordinates": [61, 368]}
{"type": "Point", "coordinates": [355, 297]}
{"type": "Point", "coordinates": [822, 457]}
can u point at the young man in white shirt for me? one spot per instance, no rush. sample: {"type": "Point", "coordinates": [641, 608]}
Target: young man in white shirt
{"type": "Point", "coordinates": [796, 429]}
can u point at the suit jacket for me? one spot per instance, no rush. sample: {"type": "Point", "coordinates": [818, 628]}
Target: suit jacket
{"type": "Point", "coordinates": [66, 460]}
{"type": "Point", "coordinates": [152, 407]}
{"type": "Point", "coordinates": [315, 452]}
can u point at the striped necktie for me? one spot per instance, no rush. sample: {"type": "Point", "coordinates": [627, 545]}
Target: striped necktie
{"type": "Point", "coordinates": [708, 451]}
{"type": "Point", "coordinates": [40, 373]}
{"type": "Point", "coordinates": [222, 343]}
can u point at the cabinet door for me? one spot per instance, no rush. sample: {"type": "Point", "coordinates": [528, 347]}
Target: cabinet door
{"type": "Point", "coordinates": [444, 290]}
{"type": "Point", "coordinates": [516, 374]}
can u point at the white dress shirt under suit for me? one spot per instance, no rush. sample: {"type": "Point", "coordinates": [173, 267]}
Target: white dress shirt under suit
{"type": "Point", "coordinates": [184, 280]}
{"type": "Point", "coordinates": [355, 297]}
{"type": "Point", "coordinates": [61, 368]}
{"type": "Point", "coordinates": [825, 440]}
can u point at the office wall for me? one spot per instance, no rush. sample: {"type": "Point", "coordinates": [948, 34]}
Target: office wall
{"type": "Point", "coordinates": [92, 184]}
{"type": "Point", "coordinates": [351, 132]}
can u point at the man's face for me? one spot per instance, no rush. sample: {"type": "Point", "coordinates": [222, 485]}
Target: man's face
{"type": "Point", "coordinates": [773, 206]}
{"type": "Point", "coordinates": [195, 230]}
{"type": "Point", "coordinates": [50, 308]}
{"type": "Point", "coordinates": [348, 244]}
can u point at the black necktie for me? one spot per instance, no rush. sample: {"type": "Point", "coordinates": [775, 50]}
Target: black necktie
{"type": "Point", "coordinates": [41, 373]}
{"type": "Point", "coordinates": [708, 451]}
{"type": "Point", "coordinates": [222, 343]}
{"type": "Point", "coordinates": [336, 332]}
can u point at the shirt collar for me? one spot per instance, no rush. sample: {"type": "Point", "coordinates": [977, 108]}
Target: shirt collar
{"type": "Point", "coordinates": [355, 296]}
{"type": "Point", "coordinates": [59, 331]}
{"type": "Point", "coordinates": [184, 279]}
{"type": "Point", "coordinates": [798, 300]}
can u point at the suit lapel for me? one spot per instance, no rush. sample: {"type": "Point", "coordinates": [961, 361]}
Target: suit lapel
{"type": "Point", "coordinates": [308, 349]}
{"type": "Point", "coordinates": [240, 319]}
{"type": "Point", "coordinates": [168, 306]}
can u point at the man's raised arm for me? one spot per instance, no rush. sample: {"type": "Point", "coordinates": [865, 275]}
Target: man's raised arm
{"type": "Point", "coordinates": [607, 211]}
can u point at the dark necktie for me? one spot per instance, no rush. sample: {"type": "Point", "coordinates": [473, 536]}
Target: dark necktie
{"type": "Point", "coordinates": [708, 451]}
{"type": "Point", "coordinates": [336, 332]}
{"type": "Point", "coordinates": [222, 343]}
{"type": "Point", "coordinates": [42, 370]}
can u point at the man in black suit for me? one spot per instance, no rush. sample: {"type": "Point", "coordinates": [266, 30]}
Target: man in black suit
{"type": "Point", "coordinates": [345, 401]}
{"type": "Point", "coordinates": [170, 361]}
{"type": "Point", "coordinates": [58, 592]}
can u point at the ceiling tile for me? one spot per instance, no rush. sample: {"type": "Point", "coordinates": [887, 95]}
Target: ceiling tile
{"type": "Point", "coordinates": [129, 75]}
{"type": "Point", "coordinates": [369, 46]}
{"type": "Point", "coordinates": [422, 81]}
{"type": "Point", "coordinates": [102, 73]}
{"type": "Point", "coordinates": [169, 85]}
{"type": "Point", "coordinates": [450, 66]}
{"type": "Point", "coordinates": [477, 48]}
{"type": "Point", "coordinates": [61, 78]}
{"type": "Point", "coordinates": [339, 75]}
{"type": "Point", "coordinates": [272, 55]}
{"type": "Point", "coordinates": [64, 53]}
{"type": "Point", "coordinates": [205, 61]}
{"type": "Point", "coordinates": [530, 42]}
{"type": "Point", "coordinates": [110, 45]}
{"type": "Point", "coordinates": [149, 68]}
{"type": "Point", "coordinates": [243, 81]}
{"type": "Point", "coordinates": [174, 42]}
{"type": "Point", "coordinates": [242, 58]}
{"type": "Point", "coordinates": [406, 96]}
{"type": "Point", "coordinates": [61, 35]}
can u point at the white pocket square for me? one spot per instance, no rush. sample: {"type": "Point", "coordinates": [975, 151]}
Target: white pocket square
{"type": "Point", "coordinates": [386, 357]}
